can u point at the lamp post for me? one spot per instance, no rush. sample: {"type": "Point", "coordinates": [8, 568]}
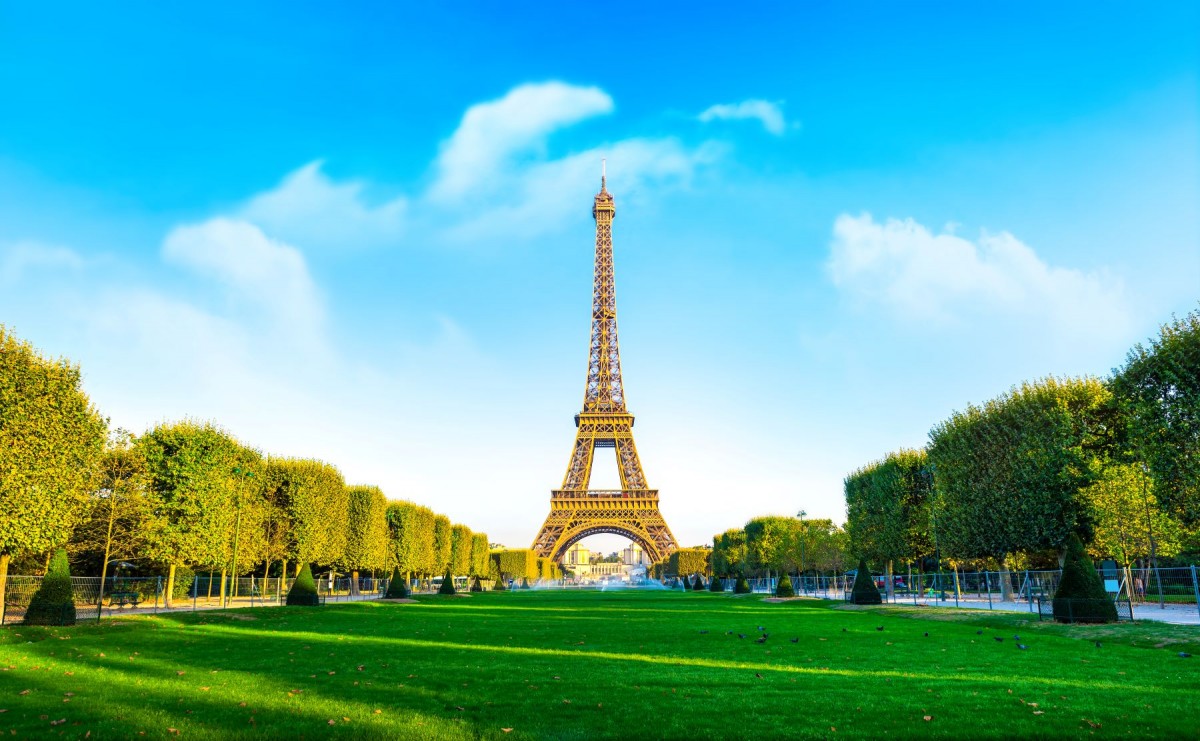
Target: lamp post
{"type": "Point", "coordinates": [803, 537]}
{"type": "Point", "coordinates": [237, 529]}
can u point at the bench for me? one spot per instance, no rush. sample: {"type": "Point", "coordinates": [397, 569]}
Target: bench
{"type": "Point", "coordinates": [121, 599]}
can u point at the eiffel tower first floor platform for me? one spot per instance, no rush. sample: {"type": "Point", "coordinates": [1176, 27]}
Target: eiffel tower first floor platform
{"type": "Point", "coordinates": [631, 513]}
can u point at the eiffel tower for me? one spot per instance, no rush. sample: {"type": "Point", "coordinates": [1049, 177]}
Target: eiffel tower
{"type": "Point", "coordinates": [575, 510]}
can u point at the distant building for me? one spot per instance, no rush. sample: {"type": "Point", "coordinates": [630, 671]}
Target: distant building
{"type": "Point", "coordinates": [587, 567]}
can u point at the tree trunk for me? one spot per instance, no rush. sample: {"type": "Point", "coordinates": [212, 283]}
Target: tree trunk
{"type": "Point", "coordinates": [282, 578]}
{"type": "Point", "coordinates": [112, 515]}
{"type": "Point", "coordinates": [1006, 591]}
{"type": "Point", "coordinates": [891, 582]}
{"type": "Point", "coordinates": [354, 583]}
{"type": "Point", "coordinates": [170, 586]}
{"type": "Point", "coordinates": [4, 557]}
{"type": "Point", "coordinates": [221, 593]}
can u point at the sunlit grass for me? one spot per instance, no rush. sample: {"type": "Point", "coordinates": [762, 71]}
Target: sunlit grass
{"type": "Point", "coordinates": [594, 665]}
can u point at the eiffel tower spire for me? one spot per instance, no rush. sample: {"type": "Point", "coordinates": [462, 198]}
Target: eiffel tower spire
{"type": "Point", "coordinates": [577, 511]}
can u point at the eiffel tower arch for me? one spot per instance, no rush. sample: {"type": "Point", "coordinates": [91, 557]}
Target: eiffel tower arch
{"type": "Point", "coordinates": [577, 511]}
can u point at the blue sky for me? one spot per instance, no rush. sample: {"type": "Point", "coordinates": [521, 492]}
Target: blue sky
{"type": "Point", "coordinates": [363, 233]}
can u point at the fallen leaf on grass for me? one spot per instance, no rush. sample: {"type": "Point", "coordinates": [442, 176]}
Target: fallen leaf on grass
{"type": "Point", "coordinates": [345, 719]}
{"type": "Point", "coordinates": [205, 689]}
{"type": "Point", "coordinates": [179, 674]}
{"type": "Point", "coordinates": [928, 717]}
{"type": "Point", "coordinates": [331, 721]}
{"type": "Point", "coordinates": [506, 730]}
{"type": "Point", "coordinates": [58, 722]}
{"type": "Point", "coordinates": [23, 692]}
{"type": "Point", "coordinates": [173, 730]}
{"type": "Point", "coordinates": [378, 711]}
{"type": "Point", "coordinates": [1039, 712]}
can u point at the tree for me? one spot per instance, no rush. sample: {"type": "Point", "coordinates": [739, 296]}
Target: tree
{"type": "Point", "coordinates": [864, 591]}
{"type": "Point", "coordinates": [113, 524]}
{"type": "Point", "coordinates": [784, 587]}
{"type": "Point", "coordinates": [1009, 475]}
{"type": "Point", "coordinates": [441, 544]}
{"type": "Point", "coordinates": [54, 601]}
{"type": "Point", "coordinates": [366, 531]}
{"type": "Point", "coordinates": [192, 494]}
{"type": "Point", "coordinates": [888, 509]}
{"type": "Point", "coordinates": [729, 552]}
{"type": "Point", "coordinates": [447, 586]}
{"type": "Point", "coordinates": [310, 499]}
{"type": "Point", "coordinates": [304, 590]}
{"type": "Point", "coordinates": [479, 554]}
{"type": "Point", "coordinates": [52, 439]}
{"type": "Point", "coordinates": [460, 550]}
{"type": "Point", "coordinates": [1129, 523]}
{"type": "Point", "coordinates": [767, 540]}
{"type": "Point", "coordinates": [397, 586]}
{"type": "Point", "coordinates": [411, 528]}
{"type": "Point", "coordinates": [685, 561]}
{"type": "Point", "coordinates": [1080, 597]}
{"type": "Point", "coordinates": [1158, 391]}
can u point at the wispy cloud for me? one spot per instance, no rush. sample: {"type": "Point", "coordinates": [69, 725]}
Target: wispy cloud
{"type": "Point", "coordinates": [18, 260]}
{"type": "Point", "coordinates": [904, 267]}
{"type": "Point", "coordinates": [767, 113]}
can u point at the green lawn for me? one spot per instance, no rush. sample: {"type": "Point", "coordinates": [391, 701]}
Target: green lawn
{"type": "Point", "coordinates": [597, 665]}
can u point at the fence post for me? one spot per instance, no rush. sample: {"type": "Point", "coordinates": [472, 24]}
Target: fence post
{"type": "Point", "coordinates": [157, 592]}
{"type": "Point", "coordinates": [987, 580]}
{"type": "Point", "coordinates": [1029, 590]}
{"type": "Point", "coordinates": [195, 590]}
{"type": "Point", "coordinates": [1195, 588]}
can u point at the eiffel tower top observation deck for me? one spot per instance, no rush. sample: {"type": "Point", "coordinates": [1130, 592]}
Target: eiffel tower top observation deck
{"type": "Point", "coordinates": [577, 511]}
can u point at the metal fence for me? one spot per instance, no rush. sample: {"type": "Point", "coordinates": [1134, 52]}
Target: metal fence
{"type": "Point", "coordinates": [1156, 594]}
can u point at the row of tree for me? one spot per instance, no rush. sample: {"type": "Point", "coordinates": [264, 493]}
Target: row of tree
{"type": "Point", "coordinates": [1114, 461]}
{"type": "Point", "coordinates": [188, 494]}
{"type": "Point", "coordinates": [775, 545]}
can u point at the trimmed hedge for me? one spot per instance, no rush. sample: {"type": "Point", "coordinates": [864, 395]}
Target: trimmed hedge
{"type": "Point", "coordinates": [688, 561]}
{"type": "Point", "coordinates": [741, 586]}
{"type": "Point", "coordinates": [517, 563]}
{"type": "Point", "coordinates": [447, 584]}
{"type": "Point", "coordinates": [54, 601]}
{"type": "Point", "coordinates": [784, 587]}
{"type": "Point", "coordinates": [1081, 597]}
{"type": "Point", "coordinates": [397, 586]}
{"type": "Point", "coordinates": [304, 590]}
{"type": "Point", "coordinates": [715, 585]}
{"type": "Point", "coordinates": [864, 591]}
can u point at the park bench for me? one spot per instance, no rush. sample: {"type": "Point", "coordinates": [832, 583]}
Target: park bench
{"type": "Point", "coordinates": [121, 599]}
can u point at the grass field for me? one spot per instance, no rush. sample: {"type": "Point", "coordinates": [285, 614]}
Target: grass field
{"type": "Point", "coordinates": [597, 665]}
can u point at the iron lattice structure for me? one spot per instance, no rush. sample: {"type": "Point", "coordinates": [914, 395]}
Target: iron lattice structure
{"type": "Point", "coordinates": [575, 510]}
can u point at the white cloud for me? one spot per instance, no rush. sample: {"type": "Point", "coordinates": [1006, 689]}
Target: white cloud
{"type": "Point", "coordinates": [21, 258]}
{"type": "Point", "coordinates": [903, 266]}
{"type": "Point", "coordinates": [257, 268]}
{"type": "Point", "coordinates": [308, 208]}
{"type": "Point", "coordinates": [769, 114]}
{"type": "Point", "coordinates": [492, 134]}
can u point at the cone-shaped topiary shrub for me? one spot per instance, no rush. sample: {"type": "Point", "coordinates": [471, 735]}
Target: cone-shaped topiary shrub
{"type": "Point", "coordinates": [54, 601]}
{"type": "Point", "coordinates": [864, 591]}
{"type": "Point", "coordinates": [447, 584]}
{"type": "Point", "coordinates": [476, 586]}
{"type": "Point", "coordinates": [741, 586]}
{"type": "Point", "coordinates": [715, 585]}
{"type": "Point", "coordinates": [397, 585]}
{"type": "Point", "coordinates": [784, 587]}
{"type": "Point", "coordinates": [525, 583]}
{"type": "Point", "coordinates": [304, 590]}
{"type": "Point", "coordinates": [500, 585]}
{"type": "Point", "coordinates": [697, 584]}
{"type": "Point", "coordinates": [1081, 597]}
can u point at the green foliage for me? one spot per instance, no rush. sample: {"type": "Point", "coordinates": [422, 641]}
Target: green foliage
{"type": "Point", "coordinates": [112, 527]}
{"type": "Point", "coordinates": [715, 585]}
{"type": "Point", "coordinates": [312, 500]}
{"type": "Point", "coordinates": [684, 561]}
{"type": "Point", "coordinates": [888, 507]}
{"type": "Point", "coordinates": [1126, 512]}
{"type": "Point", "coordinates": [741, 586]}
{"type": "Point", "coordinates": [768, 541]}
{"type": "Point", "coordinates": [1010, 475]}
{"type": "Point", "coordinates": [54, 601]}
{"type": "Point", "coordinates": [1158, 390]}
{"type": "Point", "coordinates": [441, 543]}
{"type": "Point", "coordinates": [729, 552]}
{"type": "Point", "coordinates": [304, 590]}
{"type": "Point", "coordinates": [479, 554]}
{"type": "Point", "coordinates": [397, 585]}
{"type": "Point", "coordinates": [447, 586]}
{"type": "Point", "coordinates": [784, 587]}
{"type": "Point", "coordinates": [1081, 597]}
{"type": "Point", "coordinates": [367, 543]}
{"type": "Point", "coordinates": [517, 563]}
{"type": "Point", "coordinates": [51, 440]}
{"type": "Point", "coordinates": [192, 493]}
{"type": "Point", "coordinates": [864, 591]}
{"type": "Point", "coordinates": [411, 529]}
{"type": "Point", "coordinates": [460, 549]}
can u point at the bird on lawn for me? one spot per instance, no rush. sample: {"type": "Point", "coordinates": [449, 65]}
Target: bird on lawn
{"type": "Point", "coordinates": [766, 635]}
{"type": "Point", "coordinates": [761, 628]}
{"type": "Point", "coordinates": [879, 627]}
{"type": "Point", "coordinates": [979, 632]}
{"type": "Point", "coordinates": [998, 639]}
{"type": "Point", "coordinates": [761, 640]}
{"type": "Point", "coordinates": [758, 675]}
{"type": "Point", "coordinates": [795, 640]}
{"type": "Point", "coordinates": [1097, 644]}
{"type": "Point", "coordinates": [1016, 638]}
{"type": "Point", "coordinates": [1184, 655]}
{"type": "Point", "coordinates": [729, 632]}
{"type": "Point", "coordinates": [741, 635]}
{"type": "Point", "coordinates": [703, 632]}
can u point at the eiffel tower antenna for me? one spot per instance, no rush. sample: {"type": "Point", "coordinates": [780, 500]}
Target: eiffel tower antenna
{"type": "Point", "coordinates": [577, 511]}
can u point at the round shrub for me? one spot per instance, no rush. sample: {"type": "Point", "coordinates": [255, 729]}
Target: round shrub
{"type": "Point", "coordinates": [864, 591]}
{"type": "Point", "coordinates": [54, 601]}
{"type": "Point", "coordinates": [784, 587]}
{"type": "Point", "coordinates": [447, 584]}
{"type": "Point", "coordinates": [715, 585]}
{"type": "Point", "coordinates": [304, 590]}
{"type": "Point", "coordinates": [741, 586]}
{"type": "Point", "coordinates": [1081, 597]}
{"type": "Point", "coordinates": [397, 585]}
